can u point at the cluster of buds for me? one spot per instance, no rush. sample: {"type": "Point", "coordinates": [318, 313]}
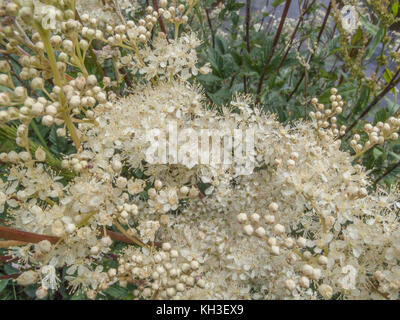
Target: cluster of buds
{"type": "Point", "coordinates": [126, 211]}
{"type": "Point", "coordinates": [45, 55]}
{"type": "Point", "coordinates": [163, 199]}
{"type": "Point", "coordinates": [377, 134]}
{"type": "Point", "coordinates": [169, 273]}
{"type": "Point", "coordinates": [253, 226]}
{"type": "Point", "coordinates": [24, 156]}
{"type": "Point", "coordinates": [175, 14]}
{"type": "Point", "coordinates": [81, 95]}
{"type": "Point", "coordinates": [277, 238]}
{"type": "Point", "coordinates": [130, 32]}
{"type": "Point", "coordinates": [326, 117]}
{"type": "Point", "coordinates": [75, 162]}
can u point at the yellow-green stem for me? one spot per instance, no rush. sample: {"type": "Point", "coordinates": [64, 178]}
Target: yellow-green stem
{"type": "Point", "coordinates": [58, 81]}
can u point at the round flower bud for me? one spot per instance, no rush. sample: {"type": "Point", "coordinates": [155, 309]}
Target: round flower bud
{"type": "Point", "coordinates": [289, 243]}
{"type": "Point", "coordinates": [248, 229]}
{"type": "Point", "coordinates": [61, 132]}
{"type": "Point", "coordinates": [44, 246]}
{"type": "Point", "coordinates": [12, 9]}
{"type": "Point", "coordinates": [70, 227]}
{"type": "Point", "coordinates": [94, 250]}
{"type": "Point", "coordinates": [65, 164]}
{"type": "Point", "coordinates": [106, 241]}
{"type": "Point", "coordinates": [75, 101]}
{"type": "Point", "coordinates": [40, 155]}
{"type": "Point", "coordinates": [379, 275]}
{"type": "Point", "coordinates": [325, 291]}
{"type": "Point", "coordinates": [3, 115]}
{"type": "Point", "coordinates": [294, 155]}
{"type": "Point", "coordinates": [180, 287]}
{"type": "Point", "coordinates": [152, 193]}
{"type": "Point", "coordinates": [158, 184]}
{"type": "Point", "coordinates": [51, 110]}
{"type": "Point", "coordinates": [275, 250]}
{"type": "Point", "coordinates": [290, 284]}
{"type": "Point", "coordinates": [242, 217]}
{"type": "Point", "coordinates": [201, 283]}
{"type": "Point", "coordinates": [273, 207]}
{"type": "Point", "coordinates": [166, 246]}
{"type": "Point", "coordinates": [304, 282]}
{"type": "Point", "coordinates": [301, 242]}
{"type": "Point", "coordinates": [260, 232]}
{"type": "Point", "coordinates": [307, 255]}
{"type": "Point", "coordinates": [368, 127]}
{"type": "Point", "coordinates": [41, 293]}
{"type": "Point", "coordinates": [3, 157]}
{"type": "Point", "coordinates": [124, 214]}
{"type": "Point", "coordinates": [13, 157]}
{"type": "Point", "coordinates": [316, 274]}
{"type": "Point", "coordinates": [322, 260]}
{"type": "Point", "coordinates": [37, 109]}
{"type": "Point", "coordinates": [91, 80]}
{"type": "Point", "coordinates": [307, 270]}
{"type": "Point", "coordinates": [255, 217]}
{"type": "Point", "coordinates": [291, 163]}
{"type": "Point", "coordinates": [116, 165]}
{"type": "Point", "coordinates": [37, 83]}
{"type": "Point", "coordinates": [27, 278]}
{"type": "Point", "coordinates": [112, 272]}
{"type": "Point", "coordinates": [174, 254]}
{"type": "Point", "coordinates": [4, 80]}
{"type": "Point", "coordinates": [270, 219]}
{"type": "Point", "coordinates": [272, 241]}
{"type": "Point", "coordinates": [185, 267]}
{"type": "Point", "coordinates": [47, 120]}
{"type": "Point", "coordinates": [184, 190]}
{"type": "Point", "coordinates": [170, 292]}
{"type": "Point", "coordinates": [194, 264]}
{"type": "Point", "coordinates": [279, 229]}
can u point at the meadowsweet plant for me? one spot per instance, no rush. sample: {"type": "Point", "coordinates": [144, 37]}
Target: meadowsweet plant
{"type": "Point", "coordinates": [87, 215]}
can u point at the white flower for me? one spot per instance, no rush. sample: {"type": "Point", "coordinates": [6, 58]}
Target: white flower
{"type": "Point", "coordinates": [350, 19]}
{"type": "Point", "coordinates": [50, 279]}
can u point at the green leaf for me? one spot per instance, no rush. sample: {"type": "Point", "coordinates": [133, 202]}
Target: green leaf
{"type": "Point", "coordinates": [30, 291]}
{"type": "Point", "coordinates": [371, 28]}
{"type": "Point", "coordinates": [208, 78]}
{"type": "Point", "coordinates": [3, 284]}
{"type": "Point", "coordinates": [78, 295]}
{"type": "Point", "coordinates": [277, 3]}
{"type": "Point", "coordinates": [381, 115]}
{"type": "Point", "coordinates": [376, 153]}
{"type": "Point", "coordinates": [117, 292]}
{"type": "Point", "coordinates": [395, 8]}
{"type": "Point", "coordinates": [376, 40]}
{"type": "Point", "coordinates": [387, 75]}
{"type": "Point", "coordinates": [8, 269]}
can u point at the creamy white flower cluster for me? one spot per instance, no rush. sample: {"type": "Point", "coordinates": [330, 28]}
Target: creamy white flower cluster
{"type": "Point", "coordinates": [304, 225]}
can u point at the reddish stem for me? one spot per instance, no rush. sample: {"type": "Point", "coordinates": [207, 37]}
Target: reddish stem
{"type": "Point", "coordinates": [160, 20]}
